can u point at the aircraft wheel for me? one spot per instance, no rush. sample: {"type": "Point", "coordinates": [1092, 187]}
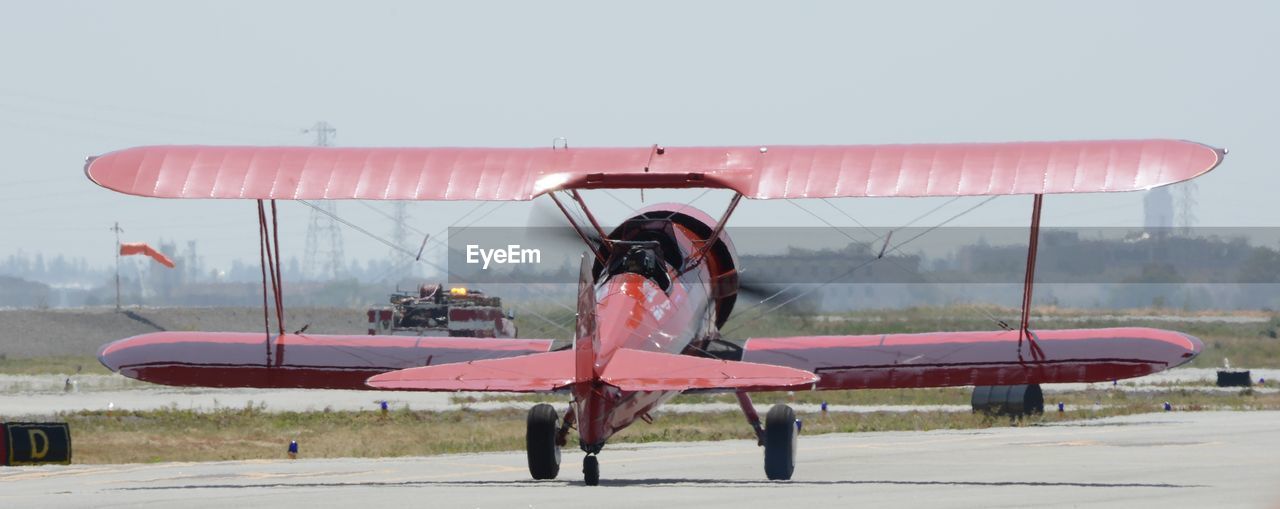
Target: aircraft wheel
{"type": "Point", "coordinates": [591, 470]}
{"type": "Point", "coordinates": [780, 436]}
{"type": "Point", "coordinates": [540, 441]}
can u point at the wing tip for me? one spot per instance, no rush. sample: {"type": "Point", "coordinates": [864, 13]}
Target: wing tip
{"type": "Point", "coordinates": [88, 164]}
{"type": "Point", "coordinates": [1219, 153]}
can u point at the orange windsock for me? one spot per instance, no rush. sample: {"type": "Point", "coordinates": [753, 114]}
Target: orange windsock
{"type": "Point", "coordinates": [141, 248]}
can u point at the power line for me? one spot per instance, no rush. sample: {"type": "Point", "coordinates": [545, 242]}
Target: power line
{"type": "Point", "coordinates": [738, 325]}
{"type": "Point", "coordinates": [80, 105]}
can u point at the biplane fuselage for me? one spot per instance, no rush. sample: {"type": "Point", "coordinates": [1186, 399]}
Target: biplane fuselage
{"type": "Point", "coordinates": [634, 312]}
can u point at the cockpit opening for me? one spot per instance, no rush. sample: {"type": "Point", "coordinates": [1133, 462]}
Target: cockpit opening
{"type": "Point", "coordinates": [640, 257]}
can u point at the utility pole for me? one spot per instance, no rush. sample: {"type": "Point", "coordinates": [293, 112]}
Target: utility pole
{"type": "Point", "coordinates": [116, 228]}
{"type": "Point", "coordinates": [323, 255]}
{"type": "Point", "coordinates": [400, 232]}
{"type": "Point", "coordinates": [1187, 206]}
{"type": "Point", "coordinates": [323, 132]}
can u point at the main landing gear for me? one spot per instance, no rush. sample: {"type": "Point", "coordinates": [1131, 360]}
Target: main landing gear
{"type": "Point", "coordinates": [540, 439]}
{"type": "Point", "coordinates": [544, 435]}
{"type": "Point", "coordinates": [780, 432]}
{"type": "Point", "coordinates": [778, 436]}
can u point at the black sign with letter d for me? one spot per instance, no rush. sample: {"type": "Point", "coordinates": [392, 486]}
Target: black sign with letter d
{"type": "Point", "coordinates": [33, 443]}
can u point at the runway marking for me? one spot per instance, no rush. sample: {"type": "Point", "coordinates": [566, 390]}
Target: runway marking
{"type": "Point", "coordinates": [409, 482]}
{"type": "Point", "coordinates": [287, 475]}
{"type": "Point", "coordinates": [1071, 443]}
{"type": "Point", "coordinates": [21, 476]}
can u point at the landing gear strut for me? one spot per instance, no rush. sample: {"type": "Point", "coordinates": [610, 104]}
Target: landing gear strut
{"type": "Point", "coordinates": [591, 470]}
{"type": "Point", "coordinates": [780, 443]}
{"type": "Point", "coordinates": [540, 441]}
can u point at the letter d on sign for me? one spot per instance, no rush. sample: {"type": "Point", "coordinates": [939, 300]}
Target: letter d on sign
{"type": "Point", "coordinates": [39, 448]}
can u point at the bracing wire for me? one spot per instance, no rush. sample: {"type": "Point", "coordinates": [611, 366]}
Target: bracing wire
{"type": "Point", "coordinates": [810, 290]}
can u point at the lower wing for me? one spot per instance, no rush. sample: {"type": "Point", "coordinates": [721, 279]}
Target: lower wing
{"type": "Point", "coordinates": [942, 359]}
{"type": "Point", "coordinates": [305, 361]}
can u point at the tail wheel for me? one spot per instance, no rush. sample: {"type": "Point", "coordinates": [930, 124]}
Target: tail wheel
{"type": "Point", "coordinates": [780, 443]}
{"type": "Point", "coordinates": [540, 441]}
{"type": "Point", "coordinates": [591, 470]}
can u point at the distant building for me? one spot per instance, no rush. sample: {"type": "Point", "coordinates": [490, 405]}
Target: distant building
{"type": "Point", "coordinates": [1157, 207]}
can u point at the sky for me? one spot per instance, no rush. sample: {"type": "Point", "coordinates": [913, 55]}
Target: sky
{"type": "Point", "coordinates": [84, 78]}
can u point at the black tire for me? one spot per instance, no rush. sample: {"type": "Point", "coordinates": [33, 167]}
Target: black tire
{"type": "Point", "coordinates": [780, 436]}
{"type": "Point", "coordinates": [591, 470]}
{"type": "Point", "coordinates": [1008, 400]}
{"type": "Point", "coordinates": [540, 441]}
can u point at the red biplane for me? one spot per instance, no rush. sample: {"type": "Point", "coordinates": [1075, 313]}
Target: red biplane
{"type": "Point", "coordinates": [653, 292]}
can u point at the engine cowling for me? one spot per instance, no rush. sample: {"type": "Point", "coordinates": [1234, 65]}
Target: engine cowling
{"type": "Point", "coordinates": [661, 222]}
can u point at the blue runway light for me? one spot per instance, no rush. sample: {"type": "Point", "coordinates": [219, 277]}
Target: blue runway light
{"type": "Point", "coordinates": [799, 425]}
{"type": "Point", "coordinates": [293, 449]}
{"type": "Point", "coordinates": [1061, 407]}
{"type": "Point", "coordinates": [1167, 406]}
{"type": "Point", "coordinates": [824, 407]}
{"type": "Point", "coordinates": [384, 405]}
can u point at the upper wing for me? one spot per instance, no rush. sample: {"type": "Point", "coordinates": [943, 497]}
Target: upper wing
{"type": "Point", "coordinates": [756, 172]}
{"type": "Point", "coordinates": [941, 359]}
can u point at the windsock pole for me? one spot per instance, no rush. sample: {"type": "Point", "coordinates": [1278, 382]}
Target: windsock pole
{"type": "Point", "coordinates": [117, 230]}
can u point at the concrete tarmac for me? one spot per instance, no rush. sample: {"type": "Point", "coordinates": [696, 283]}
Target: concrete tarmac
{"type": "Point", "coordinates": [1192, 459]}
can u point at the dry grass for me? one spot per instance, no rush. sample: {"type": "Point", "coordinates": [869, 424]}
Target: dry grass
{"type": "Point", "coordinates": [56, 365]}
{"type": "Point", "coordinates": [253, 433]}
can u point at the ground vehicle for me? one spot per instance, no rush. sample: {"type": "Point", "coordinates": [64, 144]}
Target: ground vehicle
{"type": "Point", "coordinates": [435, 311]}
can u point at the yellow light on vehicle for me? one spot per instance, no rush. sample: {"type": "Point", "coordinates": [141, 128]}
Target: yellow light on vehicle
{"type": "Point", "coordinates": [458, 291]}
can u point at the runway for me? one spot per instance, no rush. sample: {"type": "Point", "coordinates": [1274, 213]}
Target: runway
{"type": "Point", "coordinates": [1209, 459]}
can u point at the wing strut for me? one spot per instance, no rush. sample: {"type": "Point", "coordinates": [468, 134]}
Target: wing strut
{"type": "Point", "coordinates": [269, 252]}
{"type": "Point", "coordinates": [694, 259]}
{"type": "Point", "coordinates": [1033, 244]}
{"type": "Point", "coordinates": [604, 239]}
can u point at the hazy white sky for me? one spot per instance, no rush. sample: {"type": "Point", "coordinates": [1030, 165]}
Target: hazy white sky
{"type": "Point", "coordinates": [82, 78]}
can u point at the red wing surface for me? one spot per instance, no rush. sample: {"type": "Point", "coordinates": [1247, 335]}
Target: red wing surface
{"type": "Point", "coordinates": [239, 359]}
{"type": "Point", "coordinates": [941, 359]}
{"type": "Point", "coordinates": [962, 169]}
